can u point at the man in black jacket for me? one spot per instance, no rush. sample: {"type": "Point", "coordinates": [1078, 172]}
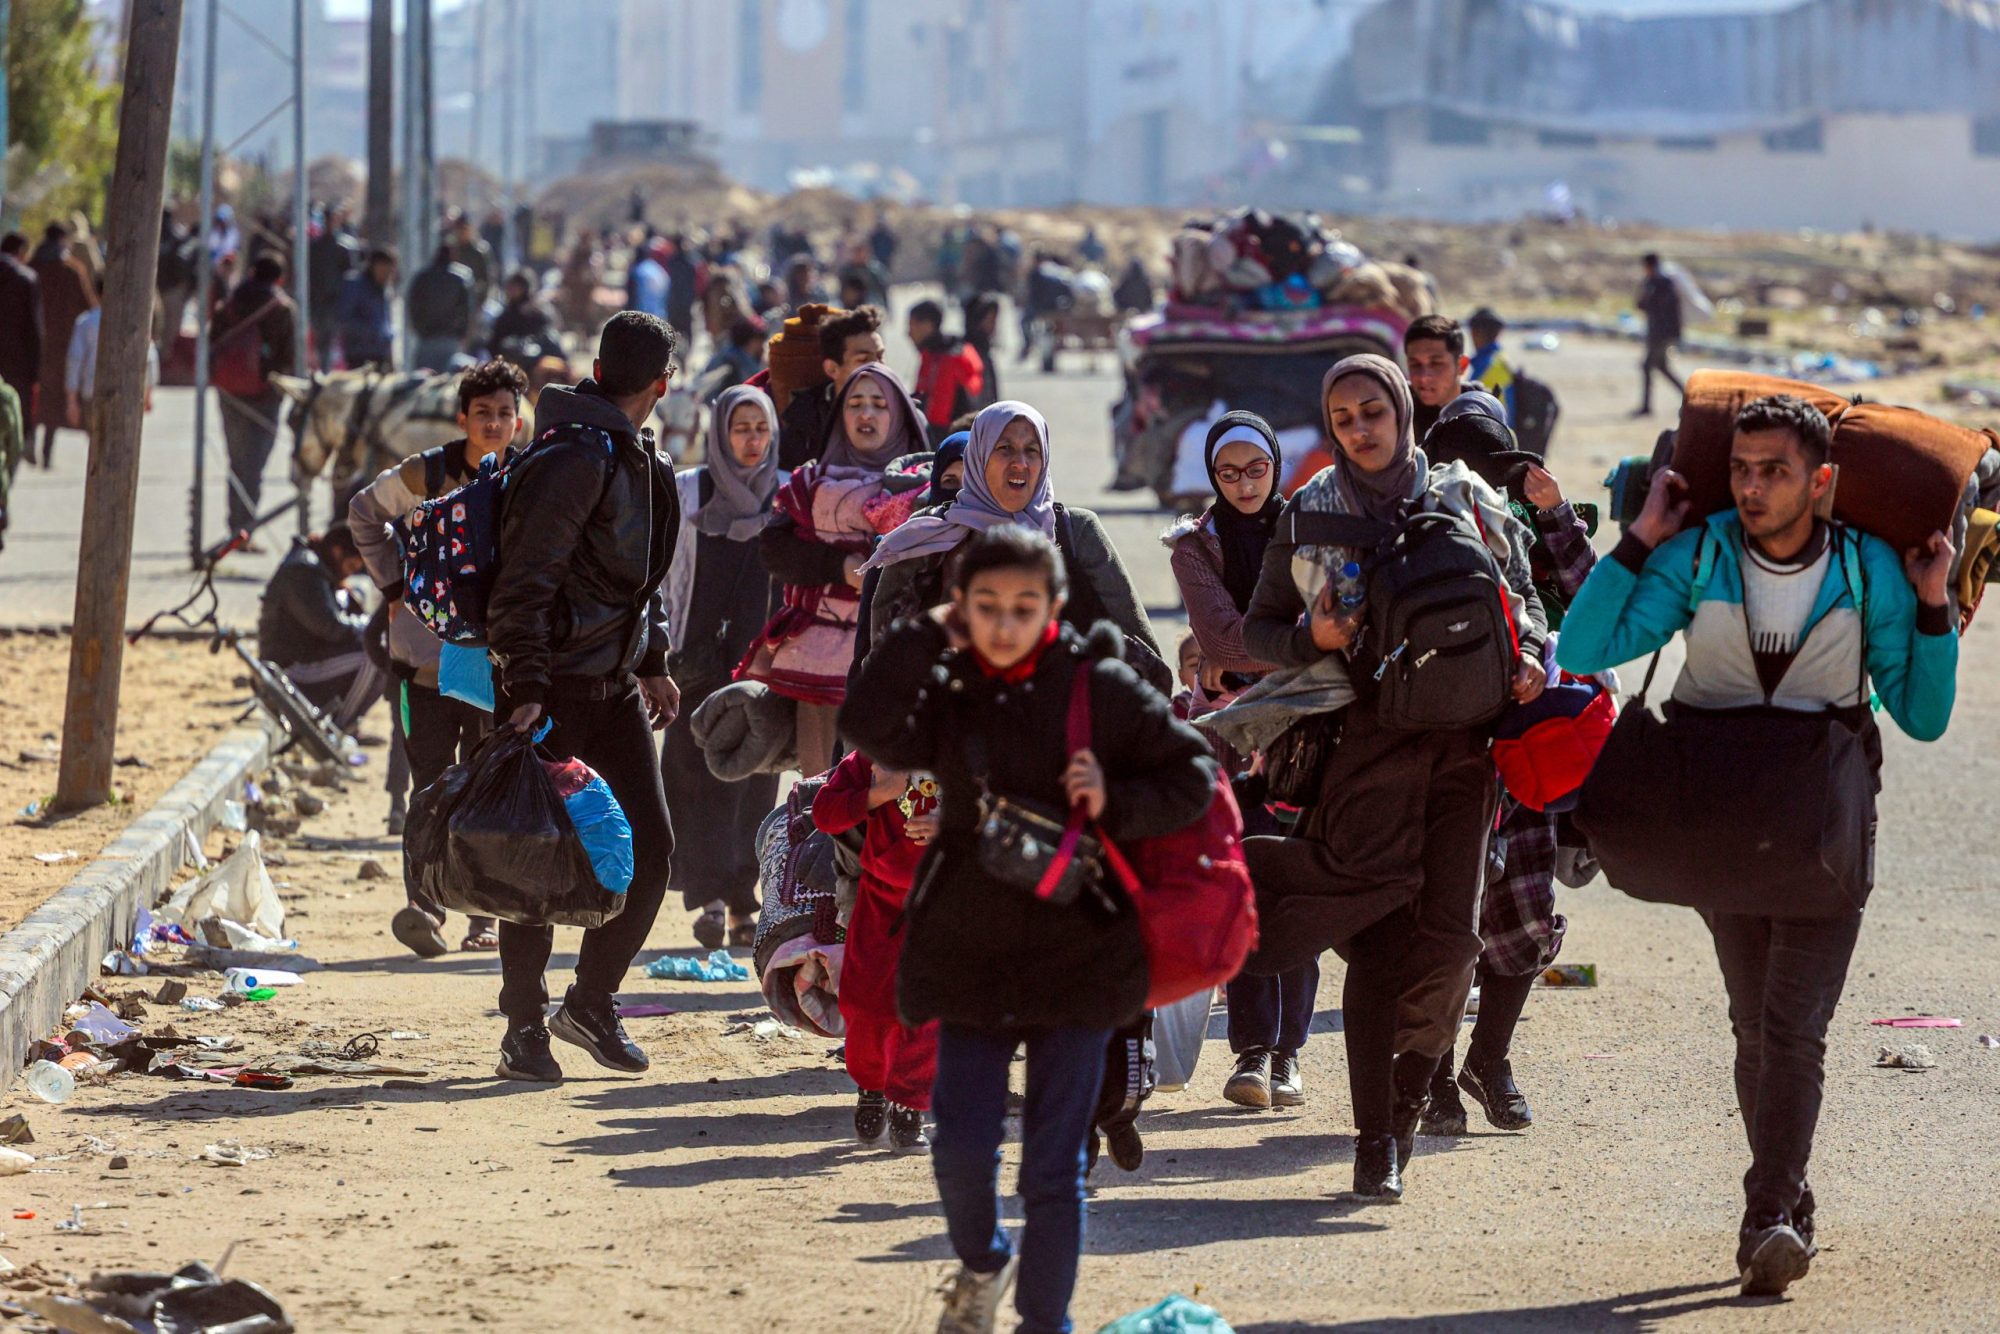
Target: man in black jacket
{"type": "Point", "coordinates": [587, 530]}
{"type": "Point", "coordinates": [1660, 302]}
{"type": "Point", "coordinates": [440, 311]}
{"type": "Point", "coordinates": [313, 631]}
{"type": "Point", "coordinates": [330, 257]}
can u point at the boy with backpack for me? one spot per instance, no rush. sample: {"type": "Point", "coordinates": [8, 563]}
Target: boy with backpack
{"type": "Point", "coordinates": [436, 729]}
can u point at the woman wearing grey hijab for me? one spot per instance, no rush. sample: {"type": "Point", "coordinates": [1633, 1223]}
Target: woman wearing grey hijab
{"type": "Point", "coordinates": [718, 597]}
{"type": "Point", "coordinates": [1386, 865]}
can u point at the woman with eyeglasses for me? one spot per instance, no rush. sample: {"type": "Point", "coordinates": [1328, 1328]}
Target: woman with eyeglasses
{"type": "Point", "coordinates": [1216, 559]}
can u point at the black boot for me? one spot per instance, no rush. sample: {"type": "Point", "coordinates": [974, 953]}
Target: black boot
{"type": "Point", "coordinates": [1492, 1085]}
{"type": "Point", "coordinates": [1412, 1079]}
{"type": "Point", "coordinates": [1376, 1175]}
{"type": "Point", "coordinates": [1445, 1114]}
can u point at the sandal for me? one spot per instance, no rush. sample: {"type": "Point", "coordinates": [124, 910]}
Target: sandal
{"type": "Point", "coordinates": [711, 928]}
{"type": "Point", "coordinates": [480, 935]}
{"type": "Point", "coordinates": [418, 931]}
{"type": "Point", "coordinates": [743, 935]}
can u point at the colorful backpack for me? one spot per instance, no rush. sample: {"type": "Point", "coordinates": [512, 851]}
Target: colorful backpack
{"type": "Point", "coordinates": [451, 543]}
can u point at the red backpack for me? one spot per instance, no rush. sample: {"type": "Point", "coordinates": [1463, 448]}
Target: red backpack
{"type": "Point", "coordinates": [1191, 888]}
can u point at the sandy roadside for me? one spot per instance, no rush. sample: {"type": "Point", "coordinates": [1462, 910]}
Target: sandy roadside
{"type": "Point", "coordinates": [719, 1191]}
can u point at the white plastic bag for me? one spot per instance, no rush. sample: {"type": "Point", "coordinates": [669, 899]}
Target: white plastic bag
{"type": "Point", "coordinates": [238, 890]}
{"type": "Point", "coordinates": [1178, 1031]}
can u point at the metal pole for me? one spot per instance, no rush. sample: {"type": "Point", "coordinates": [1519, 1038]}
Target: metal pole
{"type": "Point", "coordinates": [478, 108]}
{"type": "Point", "coordinates": [426, 115]}
{"type": "Point", "coordinates": [204, 280]}
{"type": "Point", "coordinates": [510, 47]}
{"type": "Point", "coordinates": [524, 241]}
{"type": "Point", "coordinates": [414, 256]}
{"type": "Point", "coordinates": [301, 196]}
{"type": "Point", "coordinates": [381, 211]}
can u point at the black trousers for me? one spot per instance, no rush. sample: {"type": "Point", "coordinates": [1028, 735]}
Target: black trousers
{"type": "Point", "coordinates": [718, 858]}
{"type": "Point", "coordinates": [437, 732]}
{"type": "Point", "coordinates": [613, 737]}
{"type": "Point", "coordinates": [1784, 979]}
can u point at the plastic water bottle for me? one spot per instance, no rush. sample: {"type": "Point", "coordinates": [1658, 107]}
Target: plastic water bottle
{"type": "Point", "coordinates": [1349, 590]}
{"type": "Point", "coordinates": [243, 981]}
{"type": "Point", "coordinates": [50, 1082]}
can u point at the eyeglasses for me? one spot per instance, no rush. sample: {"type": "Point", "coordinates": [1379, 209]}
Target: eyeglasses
{"type": "Point", "coordinates": [1255, 472]}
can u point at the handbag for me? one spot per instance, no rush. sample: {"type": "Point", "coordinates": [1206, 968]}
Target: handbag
{"type": "Point", "coordinates": [1029, 847]}
{"type": "Point", "coordinates": [1295, 763]}
{"type": "Point", "coordinates": [1760, 810]}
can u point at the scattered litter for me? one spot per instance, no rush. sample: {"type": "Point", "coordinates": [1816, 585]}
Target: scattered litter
{"type": "Point", "coordinates": [1600, 1056]}
{"type": "Point", "coordinates": [199, 1004]}
{"type": "Point", "coordinates": [235, 816]}
{"type": "Point", "coordinates": [214, 956]}
{"type": "Point", "coordinates": [243, 981]}
{"type": "Point", "coordinates": [149, 932]}
{"type": "Point", "coordinates": [50, 1082]}
{"type": "Point", "coordinates": [101, 1025]}
{"type": "Point", "coordinates": [718, 967]}
{"type": "Point", "coordinates": [1570, 975]}
{"type": "Point", "coordinates": [262, 1079]}
{"type": "Point", "coordinates": [196, 1300]}
{"type": "Point", "coordinates": [120, 964]}
{"type": "Point", "coordinates": [1989, 1040]}
{"type": "Point", "coordinates": [1918, 1021]}
{"type": "Point", "coordinates": [764, 1030]}
{"type": "Point", "coordinates": [32, 809]}
{"type": "Point", "coordinates": [647, 1011]}
{"type": "Point", "coordinates": [221, 933]}
{"type": "Point", "coordinates": [238, 889]}
{"type": "Point", "coordinates": [371, 868]}
{"type": "Point", "coordinates": [13, 1161]}
{"type": "Point", "coordinates": [15, 1130]}
{"type": "Point", "coordinates": [1916, 1056]}
{"type": "Point", "coordinates": [404, 1035]}
{"type": "Point", "coordinates": [232, 1153]}
{"type": "Point", "coordinates": [172, 992]}
{"type": "Point", "coordinates": [1174, 1315]}
{"type": "Point", "coordinates": [74, 1223]}
{"type": "Point", "coordinates": [192, 853]}
{"type": "Point", "coordinates": [57, 858]}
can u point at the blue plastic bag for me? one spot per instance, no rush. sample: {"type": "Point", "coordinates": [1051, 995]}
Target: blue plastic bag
{"type": "Point", "coordinates": [1174, 1315]}
{"type": "Point", "coordinates": [466, 673]}
{"type": "Point", "coordinates": [718, 967]}
{"type": "Point", "coordinates": [607, 835]}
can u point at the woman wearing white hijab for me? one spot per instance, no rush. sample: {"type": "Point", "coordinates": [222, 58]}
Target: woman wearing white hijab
{"type": "Point", "coordinates": [718, 597]}
{"type": "Point", "coordinates": [1007, 480]}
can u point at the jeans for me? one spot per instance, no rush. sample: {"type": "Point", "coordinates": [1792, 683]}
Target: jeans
{"type": "Point", "coordinates": [1272, 1013]}
{"type": "Point", "coordinates": [969, 1097]}
{"type": "Point", "coordinates": [250, 427]}
{"type": "Point", "coordinates": [1784, 979]}
{"type": "Point", "coordinates": [613, 737]}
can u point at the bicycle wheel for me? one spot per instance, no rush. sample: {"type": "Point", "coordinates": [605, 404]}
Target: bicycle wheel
{"type": "Point", "coordinates": [303, 725]}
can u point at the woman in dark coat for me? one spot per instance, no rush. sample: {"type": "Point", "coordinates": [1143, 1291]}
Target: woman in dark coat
{"type": "Point", "coordinates": [977, 693]}
{"type": "Point", "coordinates": [718, 597]}
{"type": "Point", "coordinates": [1387, 865]}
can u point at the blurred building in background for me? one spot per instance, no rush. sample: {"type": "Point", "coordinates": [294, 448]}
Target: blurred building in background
{"type": "Point", "coordinates": [1825, 113]}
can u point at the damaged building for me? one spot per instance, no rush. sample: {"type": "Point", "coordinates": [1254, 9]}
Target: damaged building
{"type": "Point", "coordinates": [1821, 113]}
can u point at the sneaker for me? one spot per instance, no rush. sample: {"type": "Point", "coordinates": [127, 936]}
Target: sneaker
{"type": "Point", "coordinates": [1492, 1085]}
{"type": "Point", "coordinates": [597, 1030]}
{"type": "Point", "coordinates": [871, 1117]}
{"type": "Point", "coordinates": [1288, 1085]}
{"type": "Point", "coordinates": [1445, 1113]}
{"type": "Point", "coordinates": [972, 1302]}
{"type": "Point", "coordinates": [1802, 1219]}
{"type": "Point", "coordinates": [1771, 1255]}
{"type": "Point", "coordinates": [525, 1054]}
{"type": "Point", "coordinates": [1128, 1150]}
{"type": "Point", "coordinates": [1250, 1085]}
{"type": "Point", "coordinates": [906, 1129]}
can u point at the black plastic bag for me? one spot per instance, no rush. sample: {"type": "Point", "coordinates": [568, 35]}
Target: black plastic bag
{"type": "Point", "coordinates": [491, 838]}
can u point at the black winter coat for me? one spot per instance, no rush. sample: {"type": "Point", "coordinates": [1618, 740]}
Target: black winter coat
{"type": "Point", "coordinates": [586, 536]}
{"type": "Point", "coordinates": [979, 952]}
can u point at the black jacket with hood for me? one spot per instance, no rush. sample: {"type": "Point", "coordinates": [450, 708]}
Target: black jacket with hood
{"type": "Point", "coordinates": [979, 952]}
{"type": "Point", "coordinates": [586, 536]}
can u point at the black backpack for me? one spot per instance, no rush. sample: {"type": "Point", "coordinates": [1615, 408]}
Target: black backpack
{"type": "Point", "coordinates": [1535, 414]}
{"type": "Point", "coordinates": [1437, 641]}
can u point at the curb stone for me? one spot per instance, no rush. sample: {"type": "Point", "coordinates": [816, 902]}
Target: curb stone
{"type": "Point", "coordinates": [47, 961]}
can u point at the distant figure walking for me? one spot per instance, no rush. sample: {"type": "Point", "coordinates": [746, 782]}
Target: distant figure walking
{"type": "Point", "coordinates": [1660, 302]}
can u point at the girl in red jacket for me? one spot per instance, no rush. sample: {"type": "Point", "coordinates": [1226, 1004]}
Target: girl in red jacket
{"type": "Point", "coordinates": [890, 1061]}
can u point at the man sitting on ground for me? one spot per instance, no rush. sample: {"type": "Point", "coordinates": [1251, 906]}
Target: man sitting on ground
{"type": "Point", "coordinates": [312, 627]}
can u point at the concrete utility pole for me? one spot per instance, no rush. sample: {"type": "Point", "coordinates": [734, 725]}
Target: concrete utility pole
{"type": "Point", "coordinates": [380, 219]}
{"type": "Point", "coordinates": [111, 485]}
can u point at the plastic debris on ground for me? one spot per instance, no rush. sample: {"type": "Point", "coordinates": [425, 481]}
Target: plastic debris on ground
{"type": "Point", "coordinates": [15, 1130]}
{"type": "Point", "coordinates": [194, 1300]}
{"type": "Point", "coordinates": [718, 967]}
{"type": "Point", "coordinates": [201, 1004]}
{"type": "Point", "coordinates": [13, 1161]}
{"type": "Point", "coordinates": [239, 889]}
{"type": "Point", "coordinates": [1173, 1315]}
{"type": "Point", "coordinates": [1989, 1040]}
{"type": "Point", "coordinates": [233, 1153]}
{"type": "Point", "coordinates": [1916, 1056]}
{"type": "Point", "coordinates": [100, 1025]}
{"type": "Point", "coordinates": [246, 980]}
{"type": "Point", "coordinates": [1569, 975]}
{"type": "Point", "coordinates": [50, 1082]}
{"type": "Point", "coordinates": [1918, 1021]}
{"type": "Point", "coordinates": [57, 858]}
{"type": "Point", "coordinates": [646, 1011]}
{"type": "Point", "coordinates": [764, 1030]}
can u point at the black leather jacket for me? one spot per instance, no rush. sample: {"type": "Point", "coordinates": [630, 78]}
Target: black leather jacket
{"type": "Point", "coordinates": [586, 536]}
